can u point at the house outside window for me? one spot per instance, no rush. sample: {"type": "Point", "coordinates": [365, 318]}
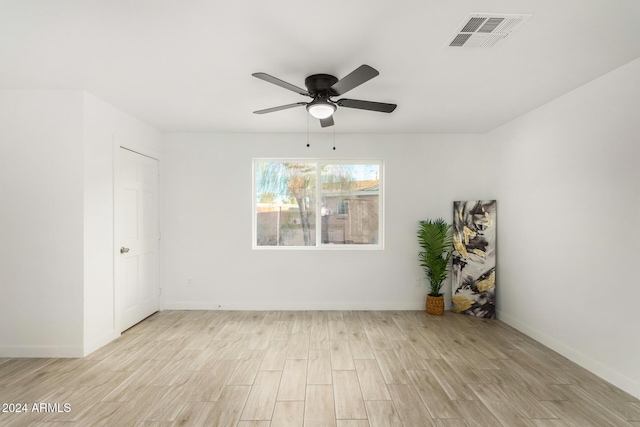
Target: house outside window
{"type": "Point", "coordinates": [316, 203]}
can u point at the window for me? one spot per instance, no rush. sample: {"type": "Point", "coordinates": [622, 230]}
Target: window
{"type": "Point", "coordinates": [343, 207]}
{"type": "Point", "coordinates": [317, 203]}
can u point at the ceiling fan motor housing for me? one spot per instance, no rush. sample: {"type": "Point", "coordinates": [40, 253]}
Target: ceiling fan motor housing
{"type": "Point", "coordinates": [320, 85]}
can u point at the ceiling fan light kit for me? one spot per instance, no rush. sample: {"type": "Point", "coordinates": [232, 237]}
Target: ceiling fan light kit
{"type": "Point", "coordinates": [322, 87]}
{"type": "Point", "coordinates": [321, 109]}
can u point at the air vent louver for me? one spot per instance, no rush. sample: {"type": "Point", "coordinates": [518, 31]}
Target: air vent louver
{"type": "Point", "coordinates": [486, 29]}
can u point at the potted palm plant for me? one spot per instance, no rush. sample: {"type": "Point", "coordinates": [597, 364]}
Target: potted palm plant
{"type": "Point", "coordinates": [437, 245]}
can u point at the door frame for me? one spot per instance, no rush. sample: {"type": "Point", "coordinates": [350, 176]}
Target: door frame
{"type": "Point", "coordinates": [152, 152]}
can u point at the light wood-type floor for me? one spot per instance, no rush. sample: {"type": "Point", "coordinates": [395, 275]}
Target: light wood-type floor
{"type": "Point", "coordinates": [331, 368]}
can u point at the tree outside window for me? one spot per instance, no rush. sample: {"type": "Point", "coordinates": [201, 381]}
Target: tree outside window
{"type": "Point", "coordinates": [315, 203]}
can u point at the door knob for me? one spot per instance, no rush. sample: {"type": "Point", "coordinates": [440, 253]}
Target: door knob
{"type": "Point", "coordinates": [124, 250]}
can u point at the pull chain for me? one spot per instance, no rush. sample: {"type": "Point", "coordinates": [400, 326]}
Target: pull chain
{"type": "Point", "coordinates": [308, 145]}
{"type": "Point", "coordinates": [334, 137]}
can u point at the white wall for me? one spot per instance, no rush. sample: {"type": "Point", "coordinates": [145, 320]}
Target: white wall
{"type": "Point", "coordinates": [208, 213]}
{"type": "Point", "coordinates": [41, 223]}
{"type": "Point", "coordinates": [56, 220]}
{"type": "Point", "coordinates": [567, 180]}
{"type": "Point", "coordinates": [102, 125]}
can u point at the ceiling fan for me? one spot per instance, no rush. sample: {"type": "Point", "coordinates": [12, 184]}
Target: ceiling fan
{"type": "Point", "coordinates": [323, 87]}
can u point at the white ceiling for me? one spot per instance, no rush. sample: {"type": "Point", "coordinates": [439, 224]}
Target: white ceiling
{"type": "Point", "coordinates": [185, 65]}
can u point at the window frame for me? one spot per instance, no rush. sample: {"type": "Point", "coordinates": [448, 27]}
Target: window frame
{"type": "Point", "coordinates": [318, 220]}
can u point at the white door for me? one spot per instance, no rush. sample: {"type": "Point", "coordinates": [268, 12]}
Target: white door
{"type": "Point", "coordinates": [137, 235]}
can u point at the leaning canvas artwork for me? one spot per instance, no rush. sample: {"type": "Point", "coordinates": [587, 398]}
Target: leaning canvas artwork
{"type": "Point", "coordinates": [473, 272]}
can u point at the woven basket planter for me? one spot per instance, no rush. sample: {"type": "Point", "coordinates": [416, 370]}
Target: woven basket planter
{"type": "Point", "coordinates": [435, 305]}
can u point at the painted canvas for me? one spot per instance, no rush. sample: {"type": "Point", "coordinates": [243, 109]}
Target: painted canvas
{"type": "Point", "coordinates": [473, 271]}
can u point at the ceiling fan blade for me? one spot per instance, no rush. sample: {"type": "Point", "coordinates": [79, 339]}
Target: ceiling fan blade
{"type": "Point", "coordinates": [367, 105]}
{"type": "Point", "coordinates": [325, 123]}
{"type": "Point", "coordinates": [282, 107]}
{"type": "Point", "coordinates": [358, 76]}
{"type": "Point", "coordinates": [281, 83]}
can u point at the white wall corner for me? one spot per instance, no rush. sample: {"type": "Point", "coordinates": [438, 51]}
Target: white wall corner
{"type": "Point", "coordinates": [99, 343]}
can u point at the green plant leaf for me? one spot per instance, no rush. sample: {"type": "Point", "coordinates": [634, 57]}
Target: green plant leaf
{"type": "Point", "coordinates": [435, 239]}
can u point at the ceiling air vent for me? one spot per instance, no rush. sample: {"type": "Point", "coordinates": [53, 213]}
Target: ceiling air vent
{"type": "Point", "coordinates": [486, 29]}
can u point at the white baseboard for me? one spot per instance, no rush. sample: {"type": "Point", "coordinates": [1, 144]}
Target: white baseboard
{"type": "Point", "coordinates": [605, 372]}
{"type": "Point", "coordinates": [57, 351]}
{"type": "Point", "coordinates": [100, 342]}
{"type": "Point", "coordinates": [54, 351]}
{"type": "Point", "coordinates": [291, 306]}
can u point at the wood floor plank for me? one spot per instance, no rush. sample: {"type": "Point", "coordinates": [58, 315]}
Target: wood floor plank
{"type": "Point", "coordinates": [294, 380]}
{"type": "Point", "coordinates": [524, 400]}
{"type": "Point", "coordinates": [450, 422]}
{"type": "Point", "coordinates": [298, 347]}
{"type": "Point", "coordinates": [213, 380]}
{"type": "Point", "coordinates": [353, 423]}
{"type": "Point", "coordinates": [424, 346]}
{"type": "Point", "coordinates": [407, 355]}
{"type": "Point", "coordinates": [352, 322]}
{"type": "Point", "coordinates": [319, 367]}
{"type": "Point", "coordinates": [101, 415]}
{"type": "Point", "coordinates": [262, 337]}
{"type": "Point", "coordinates": [476, 414]}
{"type": "Point", "coordinates": [169, 374]}
{"type": "Point", "coordinates": [283, 330]}
{"type": "Point", "coordinates": [463, 368]}
{"type": "Point", "coordinates": [349, 404]}
{"type": "Point", "coordinates": [341, 356]}
{"type": "Point", "coordinates": [633, 410]}
{"type": "Point", "coordinates": [382, 414]}
{"type": "Point", "coordinates": [262, 397]}
{"type": "Point", "coordinates": [371, 380]}
{"type": "Point", "coordinates": [169, 407]}
{"type": "Point", "coordinates": [247, 368]}
{"type": "Point", "coordinates": [619, 402]}
{"type": "Point", "coordinates": [194, 414]}
{"type": "Point", "coordinates": [500, 406]}
{"type": "Point", "coordinates": [360, 347]}
{"type": "Point", "coordinates": [410, 408]}
{"type": "Point", "coordinates": [302, 322]}
{"type": "Point", "coordinates": [319, 336]}
{"type": "Point", "coordinates": [135, 409]}
{"type": "Point", "coordinates": [597, 412]}
{"type": "Point", "coordinates": [450, 382]}
{"type": "Point", "coordinates": [288, 414]}
{"type": "Point", "coordinates": [337, 329]}
{"type": "Point", "coordinates": [567, 412]}
{"type": "Point", "coordinates": [464, 350]}
{"type": "Point", "coordinates": [392, 370]}
{"type": "Point", "coordinates": [540, 422]}
{"type": "Point", "coordinates": [319, 406]}
{"type": "Point", "coordinates": [253, 424]}
{"type": "Point", "coordinates": [233, 348]}
{"type": "Point", "coordinates": [227, 409]}
{"type": "Point", "coordinates": [377, 338]}
{"type": "Point", "coordinates": [507, 376]}
{"type": "Point", "coordinates": [319, 331]}
{"type": "Point", "coordinates": [390, 329]}
{"type": "Point", "coordinates": [83, 399]}
{"type": "Point", "coordinates": [432, 395]}
{"type": "Point", "coordinates": [403, 322]}
{"type": "Point", "coordinates": [275, 356]}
